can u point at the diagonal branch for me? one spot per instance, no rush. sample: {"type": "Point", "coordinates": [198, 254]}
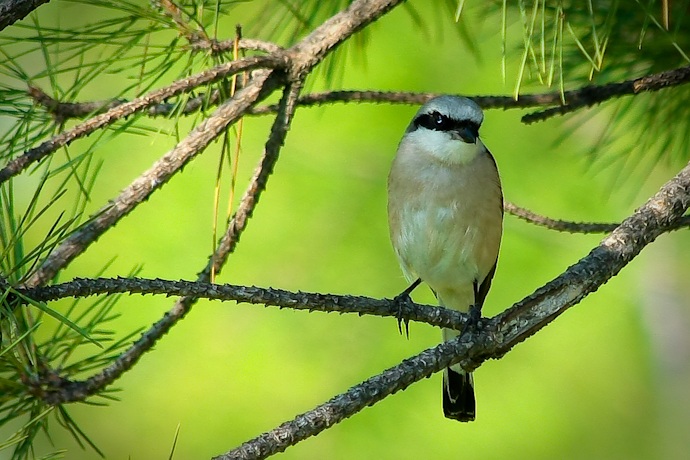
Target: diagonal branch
{"type": "Point", "coordinates": [496, 336]}
{"type": "Point", "coordinates": [257, 185]}
{"type": "Point", "coordinates": [75, 391]}
{"type": "Point", "coordinates": [658, 215]}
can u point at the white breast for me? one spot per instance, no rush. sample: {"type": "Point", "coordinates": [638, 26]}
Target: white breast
{"type": "Point", "coordinates": [445, 220]}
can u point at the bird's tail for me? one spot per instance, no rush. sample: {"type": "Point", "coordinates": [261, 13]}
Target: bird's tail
{"type": "Point", "coordinates": [458, 395]}
{"type": "Point", "coordinates": [458, 385]}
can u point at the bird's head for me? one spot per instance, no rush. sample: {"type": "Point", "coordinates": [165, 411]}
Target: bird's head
{"type": "Point", "coordinates": [447, 127]}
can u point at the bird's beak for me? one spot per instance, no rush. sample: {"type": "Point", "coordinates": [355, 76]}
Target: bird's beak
{"type": "Point", "coordinates": [466, 134]}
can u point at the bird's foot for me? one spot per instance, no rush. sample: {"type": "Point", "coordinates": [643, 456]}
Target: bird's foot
{"type": "Point", "coordinates": [473, 317]}
{"type": "Point", "coordinates": [400, 303]}
{"type": "Point", "coordinates": [403, 300]}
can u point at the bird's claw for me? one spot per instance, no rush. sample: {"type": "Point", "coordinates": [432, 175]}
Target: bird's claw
{"type": "Point", "coordinates": [400, 302]}
{"type": "Point", "coordinates": [473, 317]}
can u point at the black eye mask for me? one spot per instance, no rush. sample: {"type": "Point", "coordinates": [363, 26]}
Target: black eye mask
{"type": "Point", "coordinates": [439, 122]}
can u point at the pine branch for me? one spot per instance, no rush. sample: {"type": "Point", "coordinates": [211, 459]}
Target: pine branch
{"type": "Point", "coordinates": [576, 99]}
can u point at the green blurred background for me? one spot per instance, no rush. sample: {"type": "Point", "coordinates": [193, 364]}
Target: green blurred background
{"type": "Point", "coordinates": [609, 379]}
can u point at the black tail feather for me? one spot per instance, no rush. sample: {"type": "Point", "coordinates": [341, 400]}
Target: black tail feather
{"type": "Point", "coordinates": [458, 396]}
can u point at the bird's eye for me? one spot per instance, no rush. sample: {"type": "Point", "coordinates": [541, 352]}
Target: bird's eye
{"type": "Point", "coordinates": [434, 121]}
{"type": "Point", "coordinates": [439, 120]}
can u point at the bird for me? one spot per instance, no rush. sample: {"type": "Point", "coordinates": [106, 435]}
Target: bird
{"type": "Point", "coordinates": [445, 216]}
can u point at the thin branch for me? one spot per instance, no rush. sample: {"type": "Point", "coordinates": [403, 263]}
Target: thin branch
{"type": "Point", "coordinates": [256, 186]}
{"type": "Point", "coordinates": [404, 97]}
{"type": "Point", "coordinates": [249, 44]}
{"type": "Point", "coordinates": [139, 190]}
{"type": "Point", "coordinates": [269, 297]}
{"type": "Point", "coordinates": [591, 95]}
{"type": "Point", "coordinates": [62, 111]}
{"type": "Point", "coordinates": [578, 98]}
{"type": "Point", "coordinates": [66, 110]}
{"type": "Point", "coordinates": [20, 163]}
{"type": "Point", "coordinates": [574, 227]}
{"type": "Point", "coordinates": [496, 336]}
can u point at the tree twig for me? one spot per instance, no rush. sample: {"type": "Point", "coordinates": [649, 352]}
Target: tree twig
{"type": "Point", "coordinates": [577, 98]}
{"type": "Point", "coordinates": [592, 95]}
{"type": "Point", "coordinates": [574, 227]}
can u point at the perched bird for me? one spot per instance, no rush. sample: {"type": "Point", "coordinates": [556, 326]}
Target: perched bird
{"type": "Point", "coordinates": [445, 213]}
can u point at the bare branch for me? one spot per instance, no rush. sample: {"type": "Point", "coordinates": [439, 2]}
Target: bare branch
{"type": "Point", "coordinates": [311, 301]}
{"type": "Point", "coordinates": [658, 215]}
{"type": "Point", "coordinates": [66, 110]}
{"type": "Point", "coordinates": [578, 98]}
{"type": "Point", "coordinates": [574, 227]}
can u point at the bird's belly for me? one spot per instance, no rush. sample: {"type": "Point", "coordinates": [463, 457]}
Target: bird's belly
{"type": "Point", "coordinates": [439, 246]}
